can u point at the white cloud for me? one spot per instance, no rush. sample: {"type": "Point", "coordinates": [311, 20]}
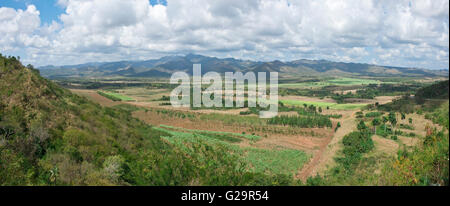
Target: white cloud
{"type": "Point", "coordinates": [400, 33]}
{"type": "Point", "coordinates": [17, 28]}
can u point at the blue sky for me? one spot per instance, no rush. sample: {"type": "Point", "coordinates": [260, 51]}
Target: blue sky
{"type": "Point", "coordinates": [49, 9]}
{"type": "Point", "coordinates": [384, 32]}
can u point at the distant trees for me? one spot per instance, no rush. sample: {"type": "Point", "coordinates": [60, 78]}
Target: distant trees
{"type": "Point", "coordinates": [434, 91]}
{"type": "Point", "coordinates": [302, 121]}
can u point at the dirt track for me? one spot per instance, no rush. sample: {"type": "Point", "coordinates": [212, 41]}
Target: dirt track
{"type": "Point", "coordinates": [323, 158]}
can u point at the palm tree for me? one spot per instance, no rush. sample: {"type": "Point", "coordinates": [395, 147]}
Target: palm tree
{"type": "Point", "coordinates": [385, 120]}
{"type": "Point", "coordinates": [375, 123]}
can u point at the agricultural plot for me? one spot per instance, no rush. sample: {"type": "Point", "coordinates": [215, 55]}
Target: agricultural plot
{"type": "Point", "coordinates": [115, 96]}
{"type": "Point", "coordinates": [324, 105]}
{"type": "Point", "coordinates": [331, 82]}
{"type": "Point", "coordinates": [270, 161]}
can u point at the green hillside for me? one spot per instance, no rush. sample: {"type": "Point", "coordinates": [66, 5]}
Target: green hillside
{"type": "Point", "coordinates": [50, 136]}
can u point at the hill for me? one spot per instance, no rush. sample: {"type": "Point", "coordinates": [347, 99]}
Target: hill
{"type": "Point", "coordinates": [439, 90]}
{"type": "Point", "coordinates": [165, 66]}
{"type": "Point", "coordinates": [50, 136]}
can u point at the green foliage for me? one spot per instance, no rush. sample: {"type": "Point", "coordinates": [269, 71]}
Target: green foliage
{"type": "Point", "coordinates": [303, 122]}
{"type": "Point", "coordinates": [373, 114]}
{"type": "Point", "coordinates": [392, 119]}
{"type": "Point", "coordinates": [111, 97]}
{"type": "Point", "coordinates": [405, 126]}
{"type": "Point", "coordinates": [49, 136]}
{"type": "Point", "coordinates": [355, 145]}
{"type": "Point", "coordinates": [426, 164]}
{"type": "Point", "coordinates": [440, 116]}
{"type": "Point", "coordinates": [275, 161]}
{"type": "Point", "coordinates": [338, 125]}
{"type": "Point", "coordinates": [438, 90]}
{"type": "Point", "coordinates": [361, 125]}
{"type": "Point", "coordinates": [115, 96]}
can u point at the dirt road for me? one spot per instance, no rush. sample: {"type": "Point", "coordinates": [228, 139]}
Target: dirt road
{"type": "Point", "coordinates": [324, 157]}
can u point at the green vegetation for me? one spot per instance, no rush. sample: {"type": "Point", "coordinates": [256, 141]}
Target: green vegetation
{"type": "Point", "coordinates": [115, 96]}
{"type": "Point", "coordinates": [324, 104]}
{"type": "Point", "coordinates": [275, 161]}
{"type": "Point", "coordinates": [302, 121]}
{"type": "Point", "coordinates": [49, 136]}
{"type": "Point", "coordinates": [426, 99]}
{"type": "Point", "coordinates": [338, 81]}
{"type": "Point", "coordinates": [426, 164]}
{"type": "Point", "coordinates": [278, 161]}
{"type": "Point", "coordinates": [373, 114]}
{"type": "Point", "coordinates": [214, 134]}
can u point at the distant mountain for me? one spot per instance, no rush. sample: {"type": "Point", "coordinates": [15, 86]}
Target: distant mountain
{"type": "Point", "coordinates": [165, 66]}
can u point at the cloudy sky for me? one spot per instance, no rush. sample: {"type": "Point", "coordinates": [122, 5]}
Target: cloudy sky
{"type": "Point", "coordinates": [411, 33]}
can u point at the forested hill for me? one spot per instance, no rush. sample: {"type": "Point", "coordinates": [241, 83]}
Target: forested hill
{"type": "Point", "coordinates": [436, 91]}
{"type": "Point", "coordinates": [50, 136]}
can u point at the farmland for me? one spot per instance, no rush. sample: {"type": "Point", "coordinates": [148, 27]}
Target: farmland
{"type": "Point", "coordinates": [311, 134]}
{"type": "Point", "coordinates": [115, 96]}
{"type": "Point", "coordinates": [331, 82]}
{"type": "Point", "coordinates": [324, 104]}
{"type": "Point", "coordinates": [115, 132]}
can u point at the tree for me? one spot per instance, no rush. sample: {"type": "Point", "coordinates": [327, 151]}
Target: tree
{"type": "Point", "coordinates": [410, 120]}
{"type": "Point", "coordinates": [385, 120]}
{"type": "Point", "coordinates": [361, 126]}
{"type": "Point", "coordinates": [403, 116]}
{"type": "Point", "coordinates": [392, 119]}
{"type": "Point", "coordinates": [320, 109]}
{"type": "Point", "coordinates": [337, 126]}
{"type": "Point", "coordinates": [375, 123]}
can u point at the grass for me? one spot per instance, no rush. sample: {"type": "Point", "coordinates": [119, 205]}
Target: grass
{"type": "Point", "coordinates": [324, 105]}
{"type": "Point", "coordinates": [278, 161]}
{"type": "Point", "coordinates": [215, 134]}
{"type": "Point", "coordinates": [352, 81]}
{"type": "Point", "coordinates": [115, 96]}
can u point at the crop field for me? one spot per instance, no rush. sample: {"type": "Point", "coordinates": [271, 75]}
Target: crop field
{"type": "Point", "coordinates": [272, 161]}
{"type": "Point", "coordinates": [115, 96]}
{"type": "Point", "coordinates": [331, 82]}
{"type": "Point", "coordinates": [324, 105]}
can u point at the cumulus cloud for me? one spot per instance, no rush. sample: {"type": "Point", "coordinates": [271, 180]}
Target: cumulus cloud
{"type": "Point", "coordinates": [400, 33]}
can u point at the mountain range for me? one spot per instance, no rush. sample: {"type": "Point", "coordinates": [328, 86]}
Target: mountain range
{"type": "Point", "coordinates": [165, 66]}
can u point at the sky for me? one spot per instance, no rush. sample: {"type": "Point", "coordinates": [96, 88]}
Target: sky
{"type": "Point", "coordinates": [407, 33]}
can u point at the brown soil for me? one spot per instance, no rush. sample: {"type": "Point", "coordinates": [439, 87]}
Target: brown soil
{"type": "Point", "coordinates": [94, 96]}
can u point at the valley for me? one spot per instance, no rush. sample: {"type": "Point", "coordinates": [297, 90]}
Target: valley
{"type": "Point", "coordinates": [334, 131]}
{"type": "Point", "coordinates": [310, 151]}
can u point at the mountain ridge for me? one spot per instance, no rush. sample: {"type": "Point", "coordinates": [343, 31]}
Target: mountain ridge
{"type": "Point", "coordinates": [165, 66]}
